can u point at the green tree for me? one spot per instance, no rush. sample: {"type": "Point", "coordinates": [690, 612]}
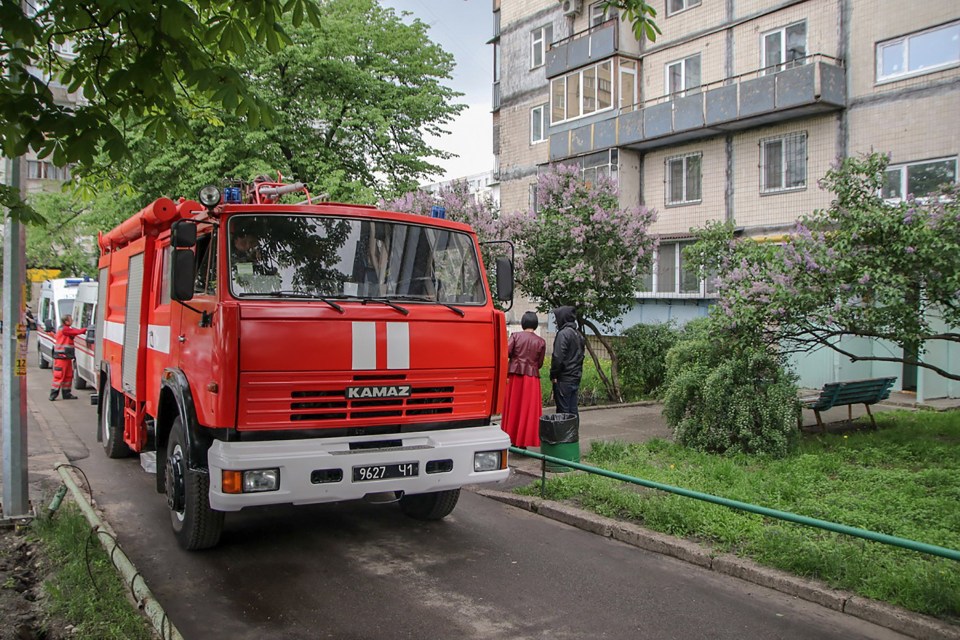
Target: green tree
{"type": "Point", "coordinates": [640, 14]}
{"type": "Point", "coordinates": [862, 267]}
{"type": "Point", "coordinates": [582, 249]}
{"type": "Point", "coordinates": [355, 98]}
{"type": "Point", "coordinates": [147, 64]}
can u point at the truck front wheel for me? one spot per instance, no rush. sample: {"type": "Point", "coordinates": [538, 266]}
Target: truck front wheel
{"type": "Point", "coordinates": [111, 428]}
{"type": "Point", "coordinates": [430, 506]}
{"type": "Point", "coordinates": [195, 524]}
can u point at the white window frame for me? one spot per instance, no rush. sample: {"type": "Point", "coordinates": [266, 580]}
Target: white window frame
{"type": "Point", "coordinates": [784, 170]}
{"type": "Point", "coordinates": [687, 5]}
{"type": "Point", "coordinates": [684, 160]}
{"type": "Point", "coordinates": [538, 45]}
{"type": "Point", "coordinates": [581, 93]}
{"type": "Point", "coordinates": [600, 14]}
{"type": "Point", "coordinates": [628, 103]}
{"type": "Point", "coordinates": [701, 291]}
{"type": "Point", "coordinates": [905, 61]}
{"type": "Point", "coordinates": [683, 76]}
{"type": "Point", "coordinates": [784, 63]}
{"type": "Point", "coordinates": [538, 113]}
{"type": "Point", "coordinates": [904, 166]}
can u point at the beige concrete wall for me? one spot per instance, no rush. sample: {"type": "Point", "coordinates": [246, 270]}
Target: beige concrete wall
{"type": "Point", "coordinates": [628, 177]}
{"type": "Point", "coordinates": [518, 157]}
{"type": "Point", "coordinates": [909, 130]}
{"type": "Point", "coordinates": [823, 31]}
{"type": "Point", "coordinates": [753, 209]}
{"type": "Point", "coordinates": [710, 13]}
{"type": "Point", "coordinates": [873, 25]}
{"type": "Point", "coordinates": [516, 10]}
{"type": "Point", "coordinates": [681, 218]}
{"type": "Point", "coordinates": [711, 50]}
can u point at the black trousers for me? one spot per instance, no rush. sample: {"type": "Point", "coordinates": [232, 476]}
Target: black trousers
{"type": "Point", "coordinates": [565, 394]}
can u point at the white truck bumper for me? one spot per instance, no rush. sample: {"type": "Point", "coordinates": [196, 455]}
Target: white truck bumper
{"type": "Point", "coordinates": [298, 460]}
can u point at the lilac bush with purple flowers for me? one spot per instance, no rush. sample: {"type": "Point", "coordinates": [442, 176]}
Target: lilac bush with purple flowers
{"type": "Point", "coordinates": [582, 249]}
{"type": "Point", "coordinates": [862, 267]}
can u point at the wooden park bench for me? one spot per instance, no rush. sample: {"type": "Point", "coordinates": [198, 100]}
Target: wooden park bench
{"type": "Point", "coordinates": [851, 392]}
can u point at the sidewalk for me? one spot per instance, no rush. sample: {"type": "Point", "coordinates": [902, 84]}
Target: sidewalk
{"type": "Point", "coordinates": [643, 421]}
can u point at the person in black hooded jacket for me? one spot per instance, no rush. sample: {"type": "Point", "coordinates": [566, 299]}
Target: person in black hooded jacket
{"type": "Point", "coordinates": [566, 366]}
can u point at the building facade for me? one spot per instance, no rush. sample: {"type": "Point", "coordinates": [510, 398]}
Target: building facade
{"type": "Point", "coordinates": [733, 114]}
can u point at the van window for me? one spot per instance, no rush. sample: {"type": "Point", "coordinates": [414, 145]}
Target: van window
{"type": "Point", "coordinates": [46, 310]}
{"type": "Point", "coordinates": [85, 315]}
{"type": "Point", "coordinates": [65, 307]}
{"type": "Point", "coordinates": [165, 275]}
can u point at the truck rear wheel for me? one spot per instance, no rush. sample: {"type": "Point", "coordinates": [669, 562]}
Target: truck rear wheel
{"type": "Point", "coordinates": [195, 524]}
{"type": "Point", "coordinates": [111, 427]}
{"type": "Point", "coordinates": [430, 506]}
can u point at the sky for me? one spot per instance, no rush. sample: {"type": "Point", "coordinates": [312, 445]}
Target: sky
{"type": "Point", "coordinates": [462, 28]}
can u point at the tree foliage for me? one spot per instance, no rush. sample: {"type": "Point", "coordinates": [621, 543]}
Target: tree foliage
{"type": "Point", "coordinates": [640, 14]}
{"type": "Point", "coordinates": [355, 98]}
{"type": "Point", "coordinates": [149, 64]}
{"type": "Point", "coordinates": [582, 249]}
{"type": "Point", "coordinates": [862, 267]}
{"type": "Point", "coordinates": [727, 394]}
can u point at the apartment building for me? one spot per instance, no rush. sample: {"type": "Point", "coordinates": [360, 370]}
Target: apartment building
{"type": "Point", "coordinates": [733, 113]}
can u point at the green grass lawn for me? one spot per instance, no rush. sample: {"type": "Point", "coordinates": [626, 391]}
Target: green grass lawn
{"type": "Point", "coordinates": [902, 480]}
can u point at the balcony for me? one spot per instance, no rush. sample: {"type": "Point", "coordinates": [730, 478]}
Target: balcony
{"type": "Point", "coordinates": [595, 44]}
{"type": "Point", "coordinates": [750, 100]}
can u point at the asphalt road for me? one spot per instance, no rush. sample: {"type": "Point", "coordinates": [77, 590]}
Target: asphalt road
{"type": "Point", "coordinates": [360, 571]}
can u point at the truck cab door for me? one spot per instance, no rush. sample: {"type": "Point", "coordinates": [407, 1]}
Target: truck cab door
{"type": "Point", "coordinates": [163, 324]}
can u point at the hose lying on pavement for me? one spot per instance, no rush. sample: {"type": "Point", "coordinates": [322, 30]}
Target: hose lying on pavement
{"type": "Point", "coordinates": [141, 593]}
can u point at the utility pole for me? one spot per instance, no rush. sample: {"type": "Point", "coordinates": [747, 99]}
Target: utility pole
{"type": "Point", "coordinates": [16, 500]}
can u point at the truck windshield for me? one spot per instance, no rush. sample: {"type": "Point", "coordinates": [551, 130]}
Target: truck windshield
{"type": "Point", "coordinates": [316, 256]}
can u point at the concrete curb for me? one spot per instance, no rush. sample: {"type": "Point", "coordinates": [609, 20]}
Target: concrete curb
{"type": "Point", "coordinates": [886, 615]}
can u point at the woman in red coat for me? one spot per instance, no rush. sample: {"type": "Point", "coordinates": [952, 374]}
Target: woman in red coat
{"type": "Point", "coordinates": [523, 406]}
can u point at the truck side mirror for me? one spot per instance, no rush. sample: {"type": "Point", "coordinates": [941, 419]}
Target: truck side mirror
{"type": "Point", "coordinates": [504, 279]}
{"type": "Point", "coordinates": [183, 269]}
{"type": "Point", "coordinates": [183, 235]}
{"type": "Point", "coordinates": [48, 326]}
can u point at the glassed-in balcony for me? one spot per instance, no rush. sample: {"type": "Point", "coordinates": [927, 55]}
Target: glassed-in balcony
{"type": "Point", "coordinates": [761, 97]}
{"type": "Point", "coordinates": [580, 49]}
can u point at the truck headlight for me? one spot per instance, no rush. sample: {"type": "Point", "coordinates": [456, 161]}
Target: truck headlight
{"type": "Point", "coordinates": [489, 460]}
{"type": "Point", "coordinates": [250, 481]}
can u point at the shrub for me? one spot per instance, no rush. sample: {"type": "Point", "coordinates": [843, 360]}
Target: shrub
{"type": "Point", "coordinates": [642, 357]}
{"type": "Point", "coordinates": [725, 395]}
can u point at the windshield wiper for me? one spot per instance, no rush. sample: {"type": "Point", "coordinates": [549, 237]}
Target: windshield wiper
{"type": "Point", "coordinates": [386, 302]}
{"type": "Point", "coordinates": [306, 296]}
{"type": "Point", "coordinates": [456, 310]}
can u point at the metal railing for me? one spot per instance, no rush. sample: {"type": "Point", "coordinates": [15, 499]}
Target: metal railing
{"type": "Point", "coordinates": [873, 536]}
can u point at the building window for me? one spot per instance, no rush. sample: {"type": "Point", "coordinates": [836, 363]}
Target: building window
{"type": "Point", "coordinates": [599, 165]}
{"type": "Point", "coordinates": [539, 39]}
{"type": "Point", "coordinates": [628, 85]}
{"type": "Point", "coordinates": [919, 53]}
{"type": "Point", "coordinates": [43, 170]}
{"type": "Point", "coordinates": [682, 76]}
{"type": "Point", "coordinates": [783, 163]}
{"type": "Point", "coordinates": [676, 6]}
{"type": "Point", "coordinates": [600, 14]}
{"type": "Point", "coordinates": [784, 48]}
{"type": "Point", "coordinates": [538, 124]}
{"type": "Point", "coordinates": [671, 274]}
{"type": "Point", "coordinates": [918, 178]}
{"type": "Point", "coordinates": [581, 93]}
{"type": "Point", "coordinates": [683, 176]}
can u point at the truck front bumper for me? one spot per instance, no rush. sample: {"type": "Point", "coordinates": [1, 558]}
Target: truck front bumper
{"type": "Point", "coordinates": [306, 467]}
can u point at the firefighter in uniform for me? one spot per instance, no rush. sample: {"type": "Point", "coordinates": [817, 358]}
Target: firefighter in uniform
{"type": "Point", "coordinates": [63, 359]}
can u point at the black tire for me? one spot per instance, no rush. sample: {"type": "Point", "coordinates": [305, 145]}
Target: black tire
{"type": "Point", "coordinates": [430, 506]}
{"type": "Point", "coordinates": [111, 429]}
{"type": "Point", "coordinates": [195, 524]}
{"type": "Point", "coordinates": [42, 362]}
{"type": "Point", "coordinates": [78, 383]}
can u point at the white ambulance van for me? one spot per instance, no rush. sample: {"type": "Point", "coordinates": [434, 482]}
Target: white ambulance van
{"type": "Point", "coordinates": [56, 301]}
{"type": "Point", "coordinates": [85, 317]}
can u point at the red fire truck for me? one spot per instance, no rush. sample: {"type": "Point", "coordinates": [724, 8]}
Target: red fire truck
{"type": "Point", "coordinates": [276, 353]}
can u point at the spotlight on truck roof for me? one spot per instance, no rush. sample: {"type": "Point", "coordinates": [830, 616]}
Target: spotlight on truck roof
{"type": "Point", "coordinates": [209, 196]}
